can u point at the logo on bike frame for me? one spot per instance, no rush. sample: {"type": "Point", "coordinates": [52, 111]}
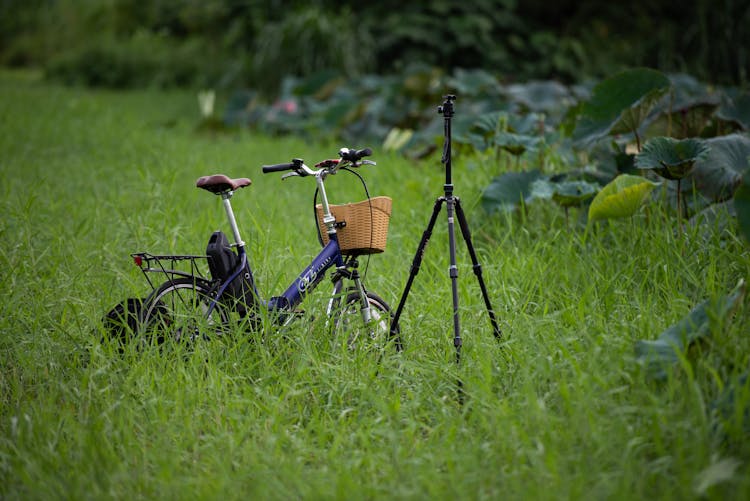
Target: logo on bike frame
{"type": "Point", "coordinates": [310, 277]}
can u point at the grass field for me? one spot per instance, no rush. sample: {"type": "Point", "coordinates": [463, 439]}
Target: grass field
{"type": "Point", "coordinates": [557, 409]}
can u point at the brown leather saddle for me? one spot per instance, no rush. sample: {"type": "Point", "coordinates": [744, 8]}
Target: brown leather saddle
{"type": "Point", "coordinates": [219, 183]}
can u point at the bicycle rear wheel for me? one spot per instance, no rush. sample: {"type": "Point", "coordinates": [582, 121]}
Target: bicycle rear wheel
{"type": "Point", "coordinates": [178, 310]}
{"type": "Point", "coordinates": [349, 323]}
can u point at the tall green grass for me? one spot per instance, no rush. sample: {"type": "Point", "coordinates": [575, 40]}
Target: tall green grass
{"type": "Point", "coordinates": [558, 408]}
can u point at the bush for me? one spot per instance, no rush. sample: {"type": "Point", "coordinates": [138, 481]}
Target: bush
{"type": "Point", "coordinates": [142, 60]}
{"type": "Point", "coordinates": [307, 42]}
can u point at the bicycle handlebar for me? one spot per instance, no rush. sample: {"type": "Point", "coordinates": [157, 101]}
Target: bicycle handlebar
{"type": "Point", "coordinates": [294, 164]}
{"type": "Point", "coordinates": [352, 156]}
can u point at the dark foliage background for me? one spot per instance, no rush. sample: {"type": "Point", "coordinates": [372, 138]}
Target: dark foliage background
{"type": "Point", "coordinates": [254, 43]}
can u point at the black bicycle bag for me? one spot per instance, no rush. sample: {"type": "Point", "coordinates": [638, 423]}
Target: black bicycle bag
{"type": "Point", "coordinates": [222, 260]}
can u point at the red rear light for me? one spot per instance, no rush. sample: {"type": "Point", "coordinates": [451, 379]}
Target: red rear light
{"type": "Point", "coordinates": [138, 260]}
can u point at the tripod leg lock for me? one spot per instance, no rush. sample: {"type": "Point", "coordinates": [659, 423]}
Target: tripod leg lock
{"type": "Point", "coordinates": [453, 272]}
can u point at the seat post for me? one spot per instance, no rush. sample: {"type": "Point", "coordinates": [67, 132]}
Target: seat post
{"type": "Point", "coordinates": [225, 196]}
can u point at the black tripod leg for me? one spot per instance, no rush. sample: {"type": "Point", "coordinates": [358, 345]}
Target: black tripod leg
{"type": "Point", "coordinates": [453, 273]}
{"type": "Point", "coordinates": [477, 267]}
{"type": "Point", "coordinates": [416, 263]}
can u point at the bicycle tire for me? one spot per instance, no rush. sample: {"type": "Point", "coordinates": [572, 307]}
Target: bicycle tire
{"type": "Point", "coordinates": [348, 322]}
{"type": "Point", "coordinates": [176, 310]}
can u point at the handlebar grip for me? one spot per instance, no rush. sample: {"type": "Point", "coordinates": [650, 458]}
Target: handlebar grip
{"type": "Point", "coordinates": [354, 155]}
{"type": "Point", "coordinates": [278, 167]}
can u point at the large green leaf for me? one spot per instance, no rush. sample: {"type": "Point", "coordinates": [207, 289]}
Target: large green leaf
{"type": "Point", "coordinates": [472, 83]}
{"type": "Point", "coordinates": [397, 139]}
{"type": "Point", "coordinates": [742, 206]}
{"type": "Point", "coordinates": [717, 175]}
{"type": "Point", "coordinates": [543, 96]}
{"type": "Point", "coordinates": [736, 110]}
{"type": "Point", "coordinates": [620, 104]}
{"type": "Point", "coordinates": [513, 133]}
{"type": "Point", "coordinates": [620, 198]}
{"type": "Point", "coordinates": [573, 193]}
{"type": "Point", "coordinates": [729, 411]}
{"type": "Point", "coordinates": [671, 158]}
{"type": "Point", "coordinates": [510, 190]}
{"type": "Point", "coordinates": [659, 354]}
{"type": "Point", "coordinates": [516, 144]}
{"type": "Point", "coordinates": [482, 130]}
{"type": "Point", "coordinates": [686, 111]}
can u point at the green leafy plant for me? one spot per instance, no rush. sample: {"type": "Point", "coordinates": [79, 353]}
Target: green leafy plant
{"type": "Point", "coordinates": [620, 104]}
{"type": "Point", "coordinates": [718, 173]}
{"type": "Point", "coordinates": [516, 144]}
{"type": "Point", "coordinates": [666, 350]}
{"type": "Point", "coordinates": [672, 159]}
{"type": "Point", "coordinates": [620, 198]}
{"type": "Point", "coordinates": [573, 194]}
{"type": "Point", "coordinates": [742, 206]}
{"type": "Point", "coordinates": [688, 110]}
{"type": "Point", "coordinates": [307, 42]}
{"type": "Point", "coordinates": [736, 109]}
{"type": "Point", "coordinates": [731, 421]}
{"type": "Point", "coordinates": [512, 190]}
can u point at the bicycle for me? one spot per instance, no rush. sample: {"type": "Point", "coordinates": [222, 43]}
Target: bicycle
{"type": "Point", "coordinates": [191, 304]}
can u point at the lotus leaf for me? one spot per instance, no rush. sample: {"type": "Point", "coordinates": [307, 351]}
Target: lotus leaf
{"type": "Point", "coordinates": [516, 144]}
{"type": "Point", "coordinates": [742, 206]}
{"type": "Point", "coordinates": [686, 111]}
{"type": "Point", "coordinates": [690, 121]}
{"type": "Point", "coordinates": [731, 415]}
{"type": "Point", "coordinates": [658, 354]}
{"type": "Point", "coordinates": [620, 198]}
{"type": "Point", "coordinates": [737, 110]}
{"type": "Point", "coordinates": [482, 130]}
{"type": "Point", "coordinates": [474, 82]}
{"type": "Point", "coordinates": [397, 139]}
{"type": "Point", "coordinates": [540, 95]}
{"type": "Point", "coordinates": [719, 173]}
{"type": "Point", "coordinates": [620, 104]}
{"type": "Point", "coordinates": [507, 192]}
{"type": "Point", "coordinates": [573, 193]}
{"type": "Point", "coordinates": [671, 158]}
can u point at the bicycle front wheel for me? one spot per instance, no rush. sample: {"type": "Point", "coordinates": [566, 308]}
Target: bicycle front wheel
{"type": "Point", "coordinates": [373, 333]}
{"type": "Point", "coordinates": [178, 310]}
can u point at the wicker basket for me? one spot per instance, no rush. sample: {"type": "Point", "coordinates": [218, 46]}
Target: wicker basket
{"type": "Point", "coordinates": [366, 225]}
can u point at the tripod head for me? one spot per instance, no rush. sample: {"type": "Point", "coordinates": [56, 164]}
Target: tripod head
{"type": "Point", "coordinates": [446, 109]}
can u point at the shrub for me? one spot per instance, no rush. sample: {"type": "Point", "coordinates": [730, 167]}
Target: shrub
{"type": "Point", "coordinates": [144, 59]}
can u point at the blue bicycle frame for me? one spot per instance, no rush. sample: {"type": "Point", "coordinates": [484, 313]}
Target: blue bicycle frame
{"type": "Point", "coordinates": [310, 277]}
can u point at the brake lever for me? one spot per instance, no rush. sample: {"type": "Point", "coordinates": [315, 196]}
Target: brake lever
{"type": "Point", "coordinates": [290, 174]}
{"type": "Point", "coordinates": [360, 163]}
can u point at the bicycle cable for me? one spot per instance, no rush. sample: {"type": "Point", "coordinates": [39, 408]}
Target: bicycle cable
{"type": "Point", "coordinates": [369, 201]}
{"type": "Point", "coordinates": [372, 215]}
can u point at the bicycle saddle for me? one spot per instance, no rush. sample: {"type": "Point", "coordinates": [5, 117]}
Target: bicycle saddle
{"type": "Point", "coordinates": [219, 183]}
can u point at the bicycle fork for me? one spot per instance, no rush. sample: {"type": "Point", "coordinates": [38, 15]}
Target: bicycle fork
{"type": "Point", "coordinates": [338, 282]}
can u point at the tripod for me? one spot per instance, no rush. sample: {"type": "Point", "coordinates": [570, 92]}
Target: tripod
{"type": "Point", "coordinates": [453, 205]}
